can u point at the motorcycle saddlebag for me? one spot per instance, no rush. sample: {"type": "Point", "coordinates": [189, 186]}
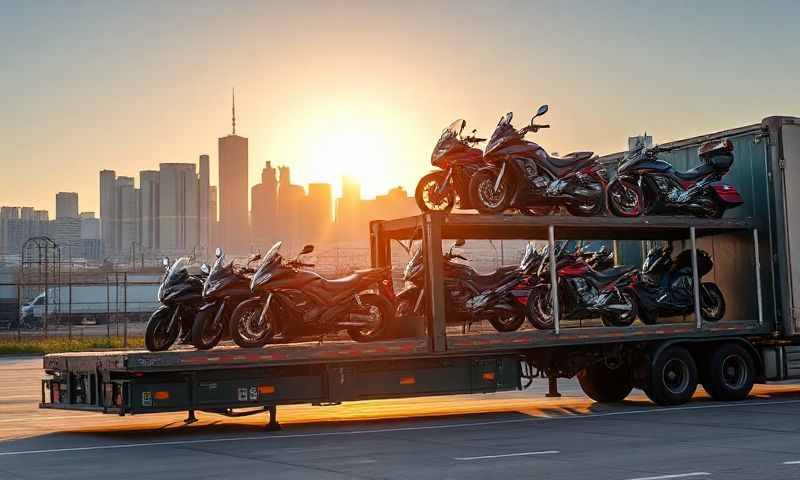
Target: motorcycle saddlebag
{"type": "Point", "coordinates": [727, 194]}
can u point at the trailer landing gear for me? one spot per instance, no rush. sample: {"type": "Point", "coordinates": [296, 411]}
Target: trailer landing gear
{"type": "Point", "coordinates": [273, 425]}
{"type": "Point", "coordinates": [191, 418]}
{"type": "Point", "coordinates": [552, 387]}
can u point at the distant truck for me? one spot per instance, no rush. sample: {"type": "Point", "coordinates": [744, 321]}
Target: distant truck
{"type": "Point", "coordinates": [91, 303]}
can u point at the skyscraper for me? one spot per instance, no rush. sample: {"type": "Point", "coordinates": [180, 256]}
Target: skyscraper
{"type": "Point", "coordinates": [126, 209]}
{"type": "Point", "coordinates": [202, 192]}
{"type": "Point", "coordinates": [66, 205]}
{"type": "Point", "coordinates": [148, 210]}
{"type": "Point", "coordinates": [265, 203]}
{"type": "Point", "coordinates": [107, 216]}
{"type": "Point", "coordinates": [178, 209]}
{"type": "Point", "coordinates": [233, 191]}
{"type": "Point", "coordinates": [318, 210]}
{"type": "Point", "coordinates": [291, 216]}
{"type": "Point", "coordinates": [212, 214]}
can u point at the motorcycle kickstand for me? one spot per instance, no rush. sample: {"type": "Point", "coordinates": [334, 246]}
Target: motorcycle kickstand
{"type": "Point", "coordinates": [273, 425]}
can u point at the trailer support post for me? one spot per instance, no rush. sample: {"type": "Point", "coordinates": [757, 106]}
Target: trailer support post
{"type": "Point", "coordinates": [273, 425]}
{"type": "Point", "coordinates": [553, 278]}
{"type": "Point", "coordinates": [552, 386]}
{"type": "Point", "coordinates": [759, 300]}
{"type": "Point", "coordinates": [434, 273]}
{"type": "Point", "coordinates": [190, 418]}
{"type": "Point", "coordinates": [695, 279]}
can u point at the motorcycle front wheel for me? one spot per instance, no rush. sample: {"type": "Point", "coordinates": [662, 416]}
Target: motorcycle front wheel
{"type": "Point", "coordinates": [508, 323]}
{"type": "Point", "coordinates": [625, 198]}
{"type": "Point", "coordinates": [622, 319]}
{"type": "Point", "coordinates": [250, 329]}
{"type": "Point", "coordinates": [484, 196]}
{"type": "Point", "coordinates": [162, 331]}
{"type": "Point", "coordinates": [380, 313]}
{"type": "Point", "coordinates": [428, 197]}
{"type": "Point", "coordinates": [540, 307]}
{"type": "Point", "coordinates": [712, 303]}
{"type": "Point", "coordinates": [206, 332]}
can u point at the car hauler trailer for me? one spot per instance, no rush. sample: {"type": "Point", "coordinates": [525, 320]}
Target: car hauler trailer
{"type": "Point", "coordinates": [756, 341]}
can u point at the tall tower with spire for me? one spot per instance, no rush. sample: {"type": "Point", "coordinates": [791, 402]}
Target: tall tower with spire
{"type": "Point", "coordinates": [234, 215]}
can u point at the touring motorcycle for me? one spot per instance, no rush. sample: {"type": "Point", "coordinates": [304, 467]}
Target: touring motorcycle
{"type": "Point", "coordinates": [181, 295]}
{"type": "Point", "coordinates": [584, 292]}
{"type": "Point", "coordinates": [646, 185]}
{"type": "Point", "coordinates": [292, 302]}
{"type": "Point", "coordinates": [522, 175]}
{"type": "Point", "coordinates": [458, 160]}
{"type": "Point", "coordinates": [498, 297]}
{"type": "Point", "coordinates": [225, 287]}
{"type": "Point", "coordinates": [667, 289]}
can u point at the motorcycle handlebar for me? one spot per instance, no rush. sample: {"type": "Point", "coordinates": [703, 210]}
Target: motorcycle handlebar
{"type": "Point", "coordinates": [472, 139]}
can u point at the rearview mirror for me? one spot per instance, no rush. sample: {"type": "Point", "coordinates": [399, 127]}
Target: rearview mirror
{"type": "Point", "coordinates": [542, 110]}
{"type": "Point", "coordinates": [218, 252]}
{"type": "Point", "coordinates": [204, 268]}
{"type": "Point", "coordinates": [165, 261]}
{"type": "Point", "coordinates": [307, 249]}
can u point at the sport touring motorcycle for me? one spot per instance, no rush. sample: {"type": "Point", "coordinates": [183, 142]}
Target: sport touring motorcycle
{"type": "Point", "coordinates": [225, 287]}
{"type": "Point", "coordinates": [293, 302]}
{"type": "Point", "coordinates": [667, 289]}
{"type": "Point", "coordinates": [471, 297]}
{"type": "Point", "coordinates": [458, 160]}
{"type": "Point", "coordinates": [647, 185]}
{"type": "Point", "coordinates": [523, 175]}
{"type": "Point", "coordinates": [584, 292]}
{"type": "Point", "coordinates": [181, 295]}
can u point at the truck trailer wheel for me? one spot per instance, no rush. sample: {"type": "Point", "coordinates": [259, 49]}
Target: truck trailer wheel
{"type": "Point", "coordinates": [605, 385]}
{"type": "Point", "coordinates": [672, 377]}
{"type": "Point", "coordinates": [730, 373]}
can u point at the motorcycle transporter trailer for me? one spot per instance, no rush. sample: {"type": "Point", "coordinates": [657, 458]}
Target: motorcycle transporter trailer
{"type": "Point", "coordinates": [756, 341]}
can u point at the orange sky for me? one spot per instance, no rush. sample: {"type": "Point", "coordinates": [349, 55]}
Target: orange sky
{"type": "Point", "coordinates": [365, 88]}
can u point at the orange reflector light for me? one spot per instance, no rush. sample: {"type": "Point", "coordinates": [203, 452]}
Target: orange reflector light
{"type": "Point", "coordinates": [161, 395]}
{"type": "Point", "coordinates": [266, 389]}
{"type": "Point", "coordinates": [407, 380]}
{"type": "Point", "coordinates": [488, 376]}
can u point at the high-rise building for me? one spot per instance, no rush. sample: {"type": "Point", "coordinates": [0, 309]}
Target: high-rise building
{"type": "Point", "coordinates": [265, 202]}
{"type": "Point", "coordinates": [202, 188]}
{"type": "Point", "coordinates": [148, 210]}
{"type": "Point", "coordinates": [91, 244]}
{"type": "Point", "coordinates": [107, 210]}
{"type": "Point", "coordinates": [233, 191]}
{"type": "Point", "coordinates": [348, 210]}
{"type": "Point", "coordinates": [178, 209]}
{"type": "Point", "coordinates": [66, 205]}
{"type": "Point", "coordinates": [318, 210]}
{"type": "Point", "coordinates": [212, 214]}
{"type": "Point", "coordinates": [126, 216]}
{"type": "Point", "coordinates": [291, 216]}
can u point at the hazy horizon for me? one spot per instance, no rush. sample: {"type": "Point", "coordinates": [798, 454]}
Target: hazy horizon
{"type": "Point", "coordinates": [364, 88]}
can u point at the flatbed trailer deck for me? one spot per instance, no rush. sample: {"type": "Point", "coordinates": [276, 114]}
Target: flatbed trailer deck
{"type": "Point", "coordinates": [753, 267]}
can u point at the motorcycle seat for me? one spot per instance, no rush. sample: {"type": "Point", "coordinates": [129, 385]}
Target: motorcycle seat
{"type": "Point", "coordinates": [696, 173]}
{"type": "Point", "coordinates": [560, 166]}
{"type": "Point", "coordinates": [354, 281]}
{"type": "Point", "coordinates": [610, 274]}
{"type": "Point", "coordinates": [494, 279]}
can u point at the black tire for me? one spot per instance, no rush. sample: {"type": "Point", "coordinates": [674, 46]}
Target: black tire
{"type": "Point", "coordinates": [381, 309]}
{"type": "Point", "coordinates": [605, 385]}
{"type": "Point", "coordinates": [589, 209]}
{"type": "Point", "coordinates": [623, 320]}
{"type": "Point", "coordinates": [625, 198]}
{"type": "Point", "coordinates": [428, 200]}
{"type": "Point", "coordinates": [206, 333]}
{"type": "Point", "coordinates": [509, 323]}
{"type": "Point", "coordinates": [672, 378]}
{"type": "Point", "coordinates": [712, 302]}
{"type": "Point", "coordinates": [731, 371]}
{"type": "Point", "coordinates": [247, 328]}
{"type": "Point", "coordinates": [540, 307]}
{"type": "Point", "coordinates": [161, 332]}
{"type": "Point", "coordinates": [648, 317]}
{"type": "Point", "coordinates": [482, 194]}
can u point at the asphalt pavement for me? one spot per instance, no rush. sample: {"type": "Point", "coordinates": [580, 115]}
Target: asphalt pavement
{"type": "Point", "coordinates": [504, 435]}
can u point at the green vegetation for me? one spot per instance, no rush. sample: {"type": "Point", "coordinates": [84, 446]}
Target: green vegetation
{"type": "Point", "coordinates": [40, 345]}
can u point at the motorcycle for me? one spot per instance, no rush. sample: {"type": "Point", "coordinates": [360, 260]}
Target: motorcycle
{"type": "Point", "coordinates": [522, 175]}
{"type": "Point", "coordinates": [471, 297]}
{"type": "Point", "coordinates": [224, 288]}
{"type": "Point", "coordinates": [181, 295]}
{"type": "Point", "coordinates": [292, 302]}
{"type": "Point", "coordinates": [646, 185]}
{"type": "Point", "coordinates": [584, 292]}
{"type": "Point", "coordinates": [600, 259]}
{"type": "Point", "coordinates": [667, 289]}
{"type": "Point", "coordinates": [458, 160]}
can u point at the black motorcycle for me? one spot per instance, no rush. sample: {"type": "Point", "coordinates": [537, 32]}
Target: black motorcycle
{"type": "Point", "coordinates": [458, 160]}
{"type": "Point", "coordinates": [470, 297]}
{"type": "Point", "coordinates": [181, 295]}
{"type": "Point", "coordinates": [667, 288]}
{"type": "Point", "coordinates": [583, 292]}
{"type": "Point", "coordinates": [646, 185]}
{"type": "Point", "coordinates": [600, 259]}
{"type": "Point", "coordinates": [522, 175]}
{"type": "Point", "coordinates": [292, 302]}
{"type": "Point", "coordinates": [225, 287]}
